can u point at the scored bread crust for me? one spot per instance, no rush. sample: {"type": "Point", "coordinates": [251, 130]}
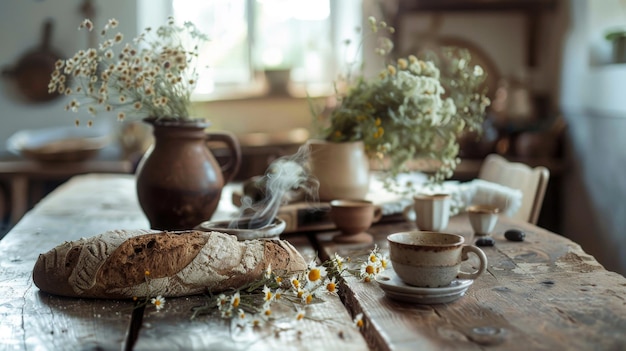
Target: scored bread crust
{"type": "Point", "coordinates": [135, 263]}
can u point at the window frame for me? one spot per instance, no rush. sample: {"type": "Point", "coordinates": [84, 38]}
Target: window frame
{"type": "Point", "coordinates": [153, 13]}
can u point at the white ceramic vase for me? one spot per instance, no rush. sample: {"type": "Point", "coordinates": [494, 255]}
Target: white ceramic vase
{"type": "Point", "coordinates": [342, 169]}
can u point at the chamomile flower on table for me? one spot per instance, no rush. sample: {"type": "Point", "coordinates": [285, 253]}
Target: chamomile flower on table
{"type": "Point", "coordinates": [337, 262]}
{"type": "Point", "coordinates": [268, 294]}
{"type": "Point", "coordinates": [222, 301]}
{"type": "Point", "coordinates": [315, 273]}
{"type": "Point", "coordinates": [278, 294]}
{"type": "Point", "coordinates": [300, 293]}
{"type": "Point", "coordinates": [268, 271]}
{"type": "Point", "coordinates": [267, 311]}
{"type": "Point", "coordinates": [300, 314]}
{"type": "Point", "coordinates": [295, 283]}
{"type": "Point", "coordinates": [358, 321]}
{"type": "Point", "coordinates": [242, 318]}
{"type": "Point", "coordinates": [307, 297]}
{"type": "Point", "coordinates": [262, 302]}
{"type": "Point", "coordinates": [256, 321]}
{"type": "Point", "coordinates": [158, 302]}
{"type": "Point", "coordinates": [330, 286]}
{"type": "Point", "coordinates": [235, 299]}
{"type": "Point", "coordinates": [368, 271]}
{"type": "Point", "coordinates": [227, 313]}
{"type": "Point", "coordinates": [373, 257]}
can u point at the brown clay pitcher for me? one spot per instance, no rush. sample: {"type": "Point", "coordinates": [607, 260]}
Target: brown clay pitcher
{"type": "Point", "coordinates": [179, 181]}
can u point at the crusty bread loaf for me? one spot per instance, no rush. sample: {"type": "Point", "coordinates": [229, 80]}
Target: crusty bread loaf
{"type": "Point", "coordinates": [114, 264]}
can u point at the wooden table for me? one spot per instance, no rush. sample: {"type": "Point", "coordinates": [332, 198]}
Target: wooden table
{"type": "Point", "coordinates": [20, 172]}
{"type": "Point", "coordinates": [541, 294]}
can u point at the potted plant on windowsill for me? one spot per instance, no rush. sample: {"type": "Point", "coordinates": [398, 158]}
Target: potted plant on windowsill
{"type": "Point", "coordinates": [617, 37]}
{"type": "Point", "coordinates": [404, 114]}
{"type": "Point", "coordinates": [179, 182]}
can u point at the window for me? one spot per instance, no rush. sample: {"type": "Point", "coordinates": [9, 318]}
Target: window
{"type": "Point", "coordinates": [252, 40]}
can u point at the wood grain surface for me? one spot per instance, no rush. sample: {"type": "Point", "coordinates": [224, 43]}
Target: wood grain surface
{"type": "Point", "coordinates": [544, 293]}
{"type": "Point", "coordinates": [33, 320]}
{"type": "Point", "coordinates": [91, 204]}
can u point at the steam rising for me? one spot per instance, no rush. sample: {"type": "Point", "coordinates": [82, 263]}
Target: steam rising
{"type": "Point", "coordinates": [285, 178]}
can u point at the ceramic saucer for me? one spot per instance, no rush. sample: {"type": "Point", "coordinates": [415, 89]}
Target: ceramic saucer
{"type": "Point", "coordinates": [396, 289]}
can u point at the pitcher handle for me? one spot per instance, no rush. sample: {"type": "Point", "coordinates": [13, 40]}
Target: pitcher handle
{"type": "Point", "coordinates": [378, 214]}
{"type": "Point", "coordinates": [231, 167]}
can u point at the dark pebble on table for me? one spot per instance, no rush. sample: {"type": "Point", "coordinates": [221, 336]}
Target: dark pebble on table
{"type": "Point", "coordinates": [514, 235]}
{"type": "Point", "coordinates": [486, 241]}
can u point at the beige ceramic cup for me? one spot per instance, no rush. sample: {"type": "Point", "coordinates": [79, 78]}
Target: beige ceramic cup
{"type": "Point", "coordinates": [431, 259]}
{"type": "Point", "coordinates": [483, 218]}
{"type": "Point", "coordinates": [430, 212]}
{"type": "Point", "coordinates": [353, 218]}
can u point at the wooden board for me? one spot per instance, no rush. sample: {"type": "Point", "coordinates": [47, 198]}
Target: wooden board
{"type": "Point", "coordinates": [89, 205]}
{"type": "Point", "coordinates": [169, 331]}
{"type": "Point", "coordinates": [541, 294]}
{"type": "Point", "coordinates": [30, 319]}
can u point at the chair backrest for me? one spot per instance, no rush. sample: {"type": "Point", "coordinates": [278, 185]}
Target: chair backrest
{"type": "Point", "coordinates": [532, 182]}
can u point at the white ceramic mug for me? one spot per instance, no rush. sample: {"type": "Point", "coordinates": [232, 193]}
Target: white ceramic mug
{"type": "Point", "coordinates": [483, 218]}
{"type": "Point", "coordinates": [431, 259]}
{"type": "Point", "coordinates": [429, 211]}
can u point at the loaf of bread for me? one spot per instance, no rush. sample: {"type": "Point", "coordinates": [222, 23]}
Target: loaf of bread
{"type": "Point", "coordinates": [125, 264]}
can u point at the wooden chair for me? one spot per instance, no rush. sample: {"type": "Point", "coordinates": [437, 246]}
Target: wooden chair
{"type": "Point", "coordinates": [531, 181]}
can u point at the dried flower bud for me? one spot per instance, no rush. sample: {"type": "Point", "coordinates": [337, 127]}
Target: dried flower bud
{"type": "Point", "coordinates": [86, 24]}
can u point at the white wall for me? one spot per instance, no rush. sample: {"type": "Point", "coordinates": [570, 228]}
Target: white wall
{"type": "Point", "coordinates": [21, 30]}
{"type": "Point", "coordinates": [593, 101]}
{"type": "Point", "coordinates": [500, 36]}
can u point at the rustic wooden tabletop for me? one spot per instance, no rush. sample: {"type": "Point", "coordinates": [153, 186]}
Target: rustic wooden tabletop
{"type": "Point", "coordinates": [544, 293]}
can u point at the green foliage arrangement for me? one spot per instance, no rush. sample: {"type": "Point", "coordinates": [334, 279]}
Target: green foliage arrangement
{"type": "Point", "coordinates": [411, 110]}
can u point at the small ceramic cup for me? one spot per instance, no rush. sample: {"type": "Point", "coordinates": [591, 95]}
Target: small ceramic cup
{"type": "Point", "coordinates": [483, 218]}
{"type": "Point", "coordinates": [353, 218]}
{"type": "Point", "coordinates": [429, 211]}
{"type": "Point", "coordinates": [431, 259]}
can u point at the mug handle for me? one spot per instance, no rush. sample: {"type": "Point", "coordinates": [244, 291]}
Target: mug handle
{"type": "Point", "coordinates": [409, 213]}
{"type": "Point", "coordinates": [378, 214]}
{"type": "Point", "coordinates": [231, 166]}
{"type": "Point", "coordinates": [483, 262]}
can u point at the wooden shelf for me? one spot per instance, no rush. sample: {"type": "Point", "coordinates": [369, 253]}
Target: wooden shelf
{"type": "Point", "coordinates": [531, 8]}
{"type": "Point", "coordinates": [25, 178]}
{"type": "Point", "coordinates": [476, 5]}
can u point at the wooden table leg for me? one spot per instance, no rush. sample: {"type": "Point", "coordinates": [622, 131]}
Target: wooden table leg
{"type": "Point", "coordinates": [19, 198]}
{"type": "Point", "coordinates": [3, 205]}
